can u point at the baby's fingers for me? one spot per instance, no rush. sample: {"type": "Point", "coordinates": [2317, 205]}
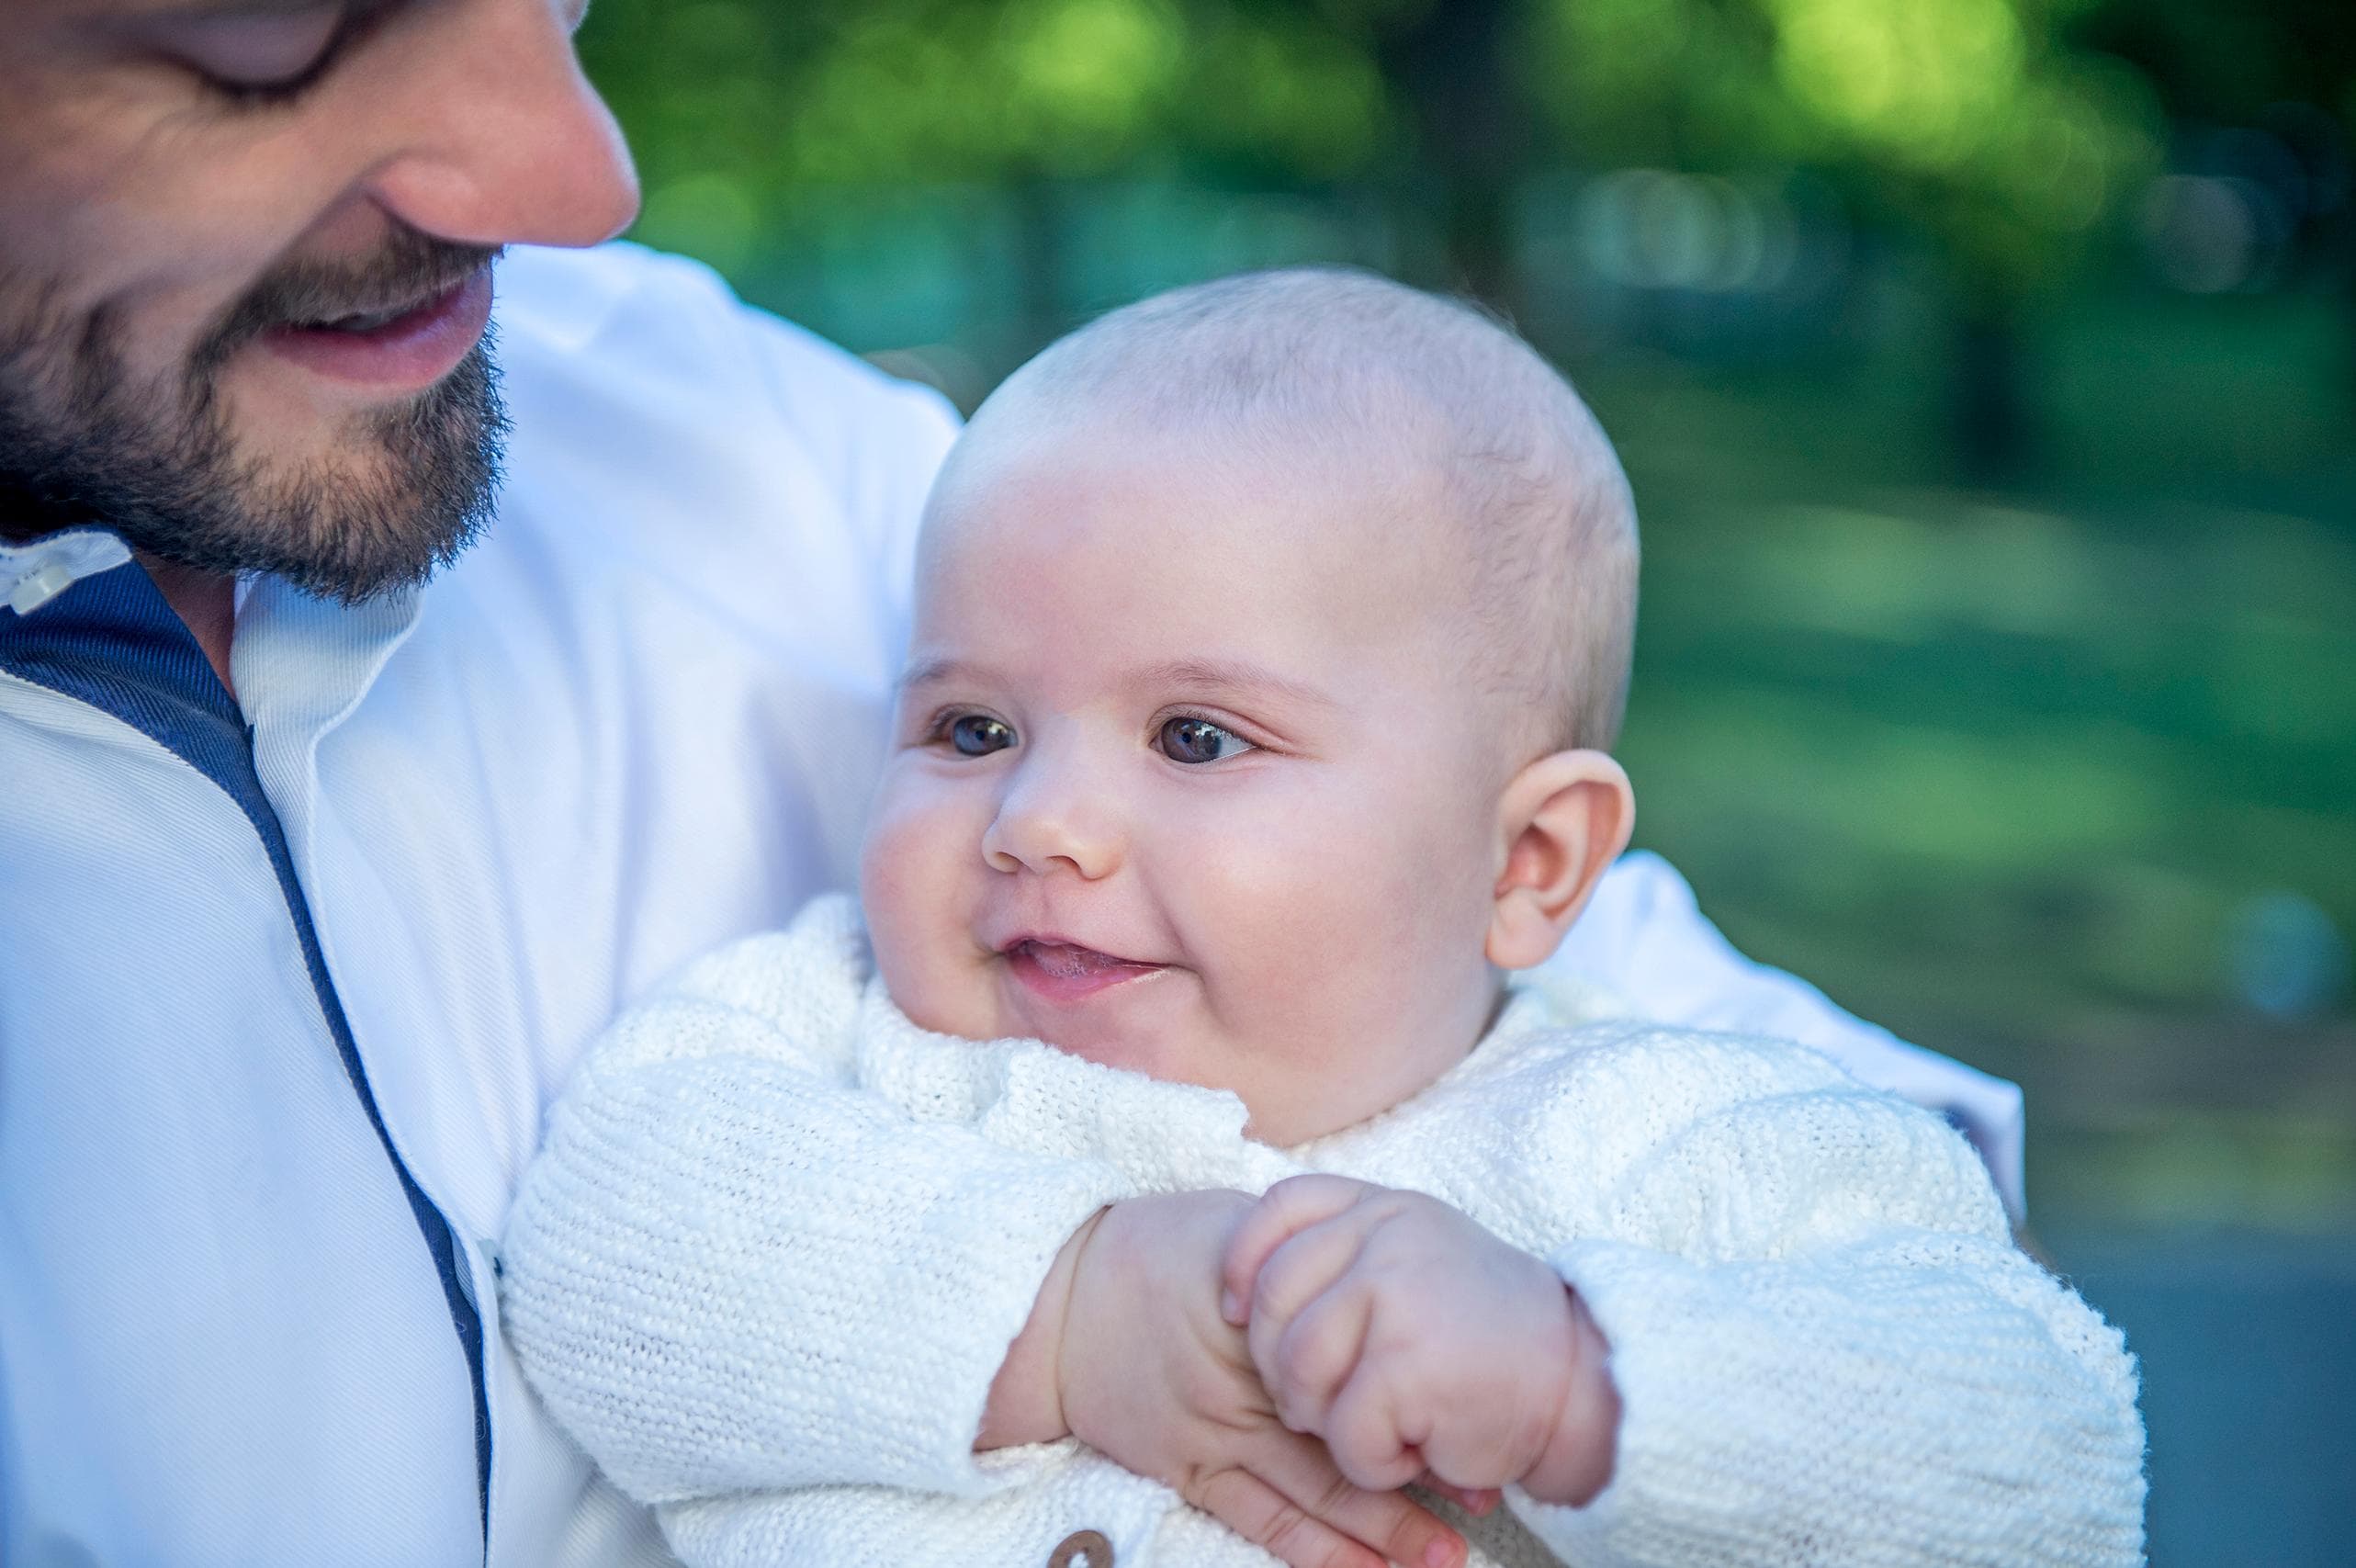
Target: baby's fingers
{"type": "Point", "coordinates": [1366, 1437]}
{"type": "Point", "coordinates": [1309, 1322]}
{"type": "Point", "coordinates": [1284, 1211]}
{"type": "Point", "coordinates": [1302, 1509]}
{"type": "Point", "coordinates": [1477, 1501]}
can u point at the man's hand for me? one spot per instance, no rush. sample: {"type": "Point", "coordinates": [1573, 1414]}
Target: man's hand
{"type": "Point", "coordinates": [1410, 1338]}
{"type": "Point", "coordinates": [1146, 1372]}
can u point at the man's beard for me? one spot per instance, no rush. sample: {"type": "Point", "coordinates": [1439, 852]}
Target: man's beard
{"type": "Point", "coordinates": [81, 444]}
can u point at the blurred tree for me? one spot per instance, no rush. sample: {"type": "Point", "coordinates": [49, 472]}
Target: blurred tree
{"type": "Point", "coordinates": [1972, 124]}
{"type": "Point", "coordinates": [2001, 133]}
{"type": "Point", "coordinates": [738, 108]}
{"type": "Point", "coordinates": [2231, 62]}
{"type": "Point", "coordinates": [2285, 69]}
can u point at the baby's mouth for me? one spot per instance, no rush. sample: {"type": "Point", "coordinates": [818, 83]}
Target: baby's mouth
{"type": "Point", "coordinates": [1063, 971]}
{"type": "Point", "coordinates": [1064, 962]}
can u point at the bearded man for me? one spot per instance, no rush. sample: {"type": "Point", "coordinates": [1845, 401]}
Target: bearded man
{"type": "Point", "coordinates": [346, 790]}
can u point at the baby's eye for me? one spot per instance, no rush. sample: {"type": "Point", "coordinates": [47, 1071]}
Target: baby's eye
{"type": "Point", "coordinates": [1199, 740]}
{"type": "Point", "coordinates": [978, 735]}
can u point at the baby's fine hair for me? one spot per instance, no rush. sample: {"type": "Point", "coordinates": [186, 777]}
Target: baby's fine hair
{"type": "Point", "coordinates": [1323, 354]}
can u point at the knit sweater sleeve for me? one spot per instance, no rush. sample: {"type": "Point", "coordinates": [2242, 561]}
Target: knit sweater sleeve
{"type": "Point", "coordinates": [1829, 1349]}
{"type": "Point", "coordinates": [731, 1268]}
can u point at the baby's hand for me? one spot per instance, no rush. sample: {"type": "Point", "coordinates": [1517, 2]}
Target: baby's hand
{"type": "Point", "coordinates": [1410, 1339]}
{"type": "Point", "coordinates": [1150, 1375]}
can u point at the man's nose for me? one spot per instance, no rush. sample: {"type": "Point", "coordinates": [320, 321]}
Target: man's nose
{"type": "Point", "coordinates": [508, 143]}
{"type": "Point", "coordinates": [1052, 817]}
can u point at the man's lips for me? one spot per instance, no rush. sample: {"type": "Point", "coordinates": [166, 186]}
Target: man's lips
{"type": "Point", "coordinates": [1058, 970]}
{"type": "Point", "coordinates": [397, 349]}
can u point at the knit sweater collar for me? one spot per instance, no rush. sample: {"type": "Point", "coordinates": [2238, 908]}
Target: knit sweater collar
{"type": "Point", "coordinates": [1162, 1136]}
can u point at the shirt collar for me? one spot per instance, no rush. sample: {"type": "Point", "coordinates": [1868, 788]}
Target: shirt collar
{"type": "Point", "coordinates": [1162, 1135]}
{"type": "Point", "coordinates": [301, 662]}
{"type": "Point", "coordinates": [33, 574]}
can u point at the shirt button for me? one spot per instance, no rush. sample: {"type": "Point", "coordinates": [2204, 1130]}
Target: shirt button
{"type": "Point", "coordinates": [1082, 1548]}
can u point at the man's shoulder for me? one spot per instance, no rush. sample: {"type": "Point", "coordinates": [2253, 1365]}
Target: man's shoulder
{"type": "Point", "coordinates": [656, 310]}
{"type": "Point", "coordinates": [657, 419]}
{"type": "Point", "coordinates": [667, 339]}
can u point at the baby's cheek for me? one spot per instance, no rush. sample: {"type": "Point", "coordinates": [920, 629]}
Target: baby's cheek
{"type": "Point", "coordinates": [909, 890]}
{"type": "Point", "coordinates": [890, 863]}
{"type": "Point", "coordinates": [918, 957]}
{"type": "Point", "coordinates": [1406, 915]}
{"type": "Point", "coordinates": [1310, 923]}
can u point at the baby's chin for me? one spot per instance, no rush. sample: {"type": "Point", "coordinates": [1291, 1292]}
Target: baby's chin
{"type": "Point", "coordinates": [1171, 1058]}
{"type": "Point", "coordinates": [1107, 1043]}
{"type": "Point", "coordinates": [1136, 1026]}
{"type": "Point", "coordinates": [989, 1003]}
{"type": "Point", "coordinates": [1170, 1062]}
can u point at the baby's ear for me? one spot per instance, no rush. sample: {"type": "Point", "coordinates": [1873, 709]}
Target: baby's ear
{"type": "Point", "coordinates": [1562, 820]}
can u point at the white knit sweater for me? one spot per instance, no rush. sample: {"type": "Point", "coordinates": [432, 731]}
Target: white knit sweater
{"type": "Point", "coordinates": [1827, 1348]}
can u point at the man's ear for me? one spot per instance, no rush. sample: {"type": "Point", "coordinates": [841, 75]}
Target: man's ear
{"type": "Point", "coordinates": [1561, 822]}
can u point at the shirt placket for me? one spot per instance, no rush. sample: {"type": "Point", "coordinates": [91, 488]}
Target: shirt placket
{"type": "Point", "coordinates": [82, 619]}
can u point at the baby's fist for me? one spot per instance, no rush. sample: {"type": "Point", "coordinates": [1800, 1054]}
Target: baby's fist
{"type": "Point", "coordinates": [1412, 1339]}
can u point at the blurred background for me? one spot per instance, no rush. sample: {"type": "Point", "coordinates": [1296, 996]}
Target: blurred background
{"type": "Point", "coordinates": [1987, 373]}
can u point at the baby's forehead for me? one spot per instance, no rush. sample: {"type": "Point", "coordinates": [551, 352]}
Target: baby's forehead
{"type": "Point", "coordinates": [1418, 442]}
{"type": "Point", "coordinates": [1308, 481]}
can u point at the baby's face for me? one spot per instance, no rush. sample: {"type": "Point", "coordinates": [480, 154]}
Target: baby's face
{"type": "Point", "coordinates": [1186, 778]}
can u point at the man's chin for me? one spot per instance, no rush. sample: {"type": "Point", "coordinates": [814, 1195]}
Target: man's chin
{"type": "Point", "coordinates": [244, 460]}
{"type": "Point", "coordinates": [348, 506]}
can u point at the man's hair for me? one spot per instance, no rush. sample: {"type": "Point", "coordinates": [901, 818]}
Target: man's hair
{"type": "Point", "coordinates": [1338, 357]}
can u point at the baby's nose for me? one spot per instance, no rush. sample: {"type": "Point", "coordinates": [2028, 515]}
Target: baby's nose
{"type": "Point", "coordinates": [1047, 823]}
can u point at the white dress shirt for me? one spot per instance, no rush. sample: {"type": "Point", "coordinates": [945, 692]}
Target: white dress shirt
{"type": "Point", "coordinates": [640, 717]}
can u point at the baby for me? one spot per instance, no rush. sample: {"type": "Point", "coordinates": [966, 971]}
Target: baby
{"type": "Point", "coordinates": [1269, 638]}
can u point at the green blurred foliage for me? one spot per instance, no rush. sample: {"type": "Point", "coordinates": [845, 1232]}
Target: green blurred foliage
{"type": "Point", "coordinates": [1984, 125]}
{"type": "Point", "coordinates": [740, 108]}
{"type": "Point", "coordinates": [1971, 120]}
{"type": "Point", "coordinates": [2015, 774]}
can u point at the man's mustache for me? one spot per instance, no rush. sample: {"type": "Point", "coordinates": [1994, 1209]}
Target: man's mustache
{"type": "Point", "coordinates": [411, 268]}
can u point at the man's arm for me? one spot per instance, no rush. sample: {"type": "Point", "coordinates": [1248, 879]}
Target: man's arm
{"type": "Point", "coordinates": [1644, 938]}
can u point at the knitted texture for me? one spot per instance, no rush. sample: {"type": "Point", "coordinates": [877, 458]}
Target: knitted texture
{"type": "Point", "coordinates": [780, 1238]}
